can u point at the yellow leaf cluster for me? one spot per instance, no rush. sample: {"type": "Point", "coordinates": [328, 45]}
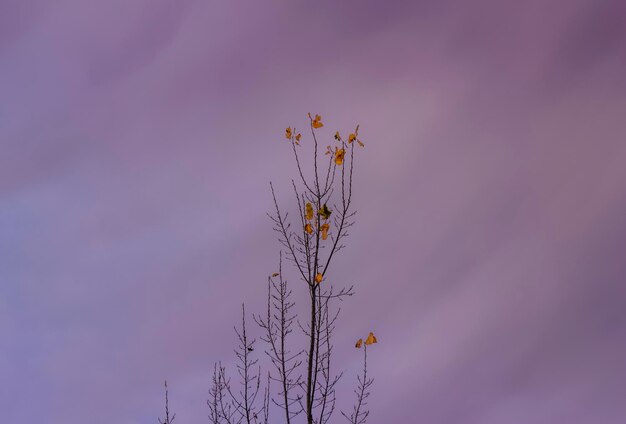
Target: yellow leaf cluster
{"type": "Point", "coordinates": [371, 339]}
{"type": "Point", "coordinates": [316, 122]}
{"type": "Point", "coordinates": [318, 278]}
{"type": "Point", "coordinates": [308, 228]}
{"type": "Point", "coordinates": [289, 135]}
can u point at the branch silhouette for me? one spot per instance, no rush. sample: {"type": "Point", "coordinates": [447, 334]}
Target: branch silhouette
{"type": "Point", "coordinates": [301, 381]}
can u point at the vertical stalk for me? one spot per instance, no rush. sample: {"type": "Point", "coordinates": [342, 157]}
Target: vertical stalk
{"type": "Point", "coordinates": [309, 386]}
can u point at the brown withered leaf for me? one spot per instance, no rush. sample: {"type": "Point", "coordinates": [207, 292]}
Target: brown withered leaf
{"type": "Point", "coordinates": [371, 339]}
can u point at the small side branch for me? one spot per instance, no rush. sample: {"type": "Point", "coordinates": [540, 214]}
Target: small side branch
{"type": "Point", "coordinates": [168, 419]}
{"type": "Point", "coordinates": [244, 402]}
{"type": "Point", "coordinates": [277, 325]}
{"type": "Point", "coordinates": [360, 412]}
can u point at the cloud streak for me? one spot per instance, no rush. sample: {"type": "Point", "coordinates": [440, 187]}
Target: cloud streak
{"type": "Point", "coordinates": [138, 139]}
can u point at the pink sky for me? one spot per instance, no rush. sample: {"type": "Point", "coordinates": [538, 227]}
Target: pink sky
{"type": "Point", "coordinates": [138, 138]}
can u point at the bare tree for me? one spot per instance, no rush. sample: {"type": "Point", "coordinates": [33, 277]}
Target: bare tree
{"type": "Point", "coordinates": [306, 381]}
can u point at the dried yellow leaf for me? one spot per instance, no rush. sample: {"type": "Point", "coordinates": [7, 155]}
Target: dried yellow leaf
{"type": "Point", "coordinates": [337, 136]}
{"type": "Point", "coordinates": [339, 155]}
{"type": "Point", "coordinates": [298, 137]}
{"type": "Point", "coordinates": [359, 343]}
{"type": "Point", "coordinates": [328, 150]}
{"type": "Point", "coordinates": [288, 133]}
{"type": "Point", "coordinates": [351, 138]}
{"type": "Point", "coordinates": [275, 274]}
{"type": "Point", "coordinates": [308, 228]}
{"type": "Point", "coordinates": [308, 211]}
{"type": "Point", "coordinates": [325, 228]}
{"type": "Point", "coordinates": [318, 278]}
{"type": "Point", "coordinates": [356, 133]}
{"type": "Point", "coordinates": [371, 339]}
{"type": "Point", "coordinates": [317, 122]}
{"type": "Point", "coordinates": [325, 212]}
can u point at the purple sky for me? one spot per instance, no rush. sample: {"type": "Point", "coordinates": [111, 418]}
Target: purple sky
{"type": "Point", "coordinates": [137, 141]}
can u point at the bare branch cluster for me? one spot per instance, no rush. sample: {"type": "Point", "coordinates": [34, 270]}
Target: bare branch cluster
{"type": "Point", "coordinates": [277, 325]}
{"type": "Point", "coordinates": [304, 380]}
{"type": "Point", "coordinates": [230, 406]}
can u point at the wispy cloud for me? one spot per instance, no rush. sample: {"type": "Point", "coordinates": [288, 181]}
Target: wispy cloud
{"type": "Point", "coordinates": [138, 138]}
